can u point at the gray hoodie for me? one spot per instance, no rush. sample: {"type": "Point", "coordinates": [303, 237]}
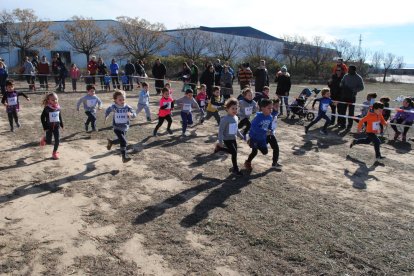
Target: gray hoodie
{"type": "Point", "coordinates": [89, 103]}
{"type": "Point", "coordinates": [120, 120]}
{"type": "Point", "coordinates": [246, 108]}
{"type": "Point", "coordinates": [228, 129]}
{"type": "Point", "coordinates": [187, 104]}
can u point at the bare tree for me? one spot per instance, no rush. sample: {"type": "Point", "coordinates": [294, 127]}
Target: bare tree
{"type": "Point", "coordinates": [345, 50]}
{"type": "Point", "coordinates": [25, 31]}
{"type": "Point", "coordinates": [225, 47]}
{"type": "Point", "coordinates": [392, 62]}
{"type": "Point", "coordinates": [85, 36]}
{"type": "Point", "coordinates": [138, 37]}
{"type": "Point", "coordinates": [294, 50]}
{"type": "Point", "coordinates": [377, 60]}
{"type": "Point", "coordinates": [257, 48]}
{"type": "Point", "coordinates": [191, 43]}
{"type": "Point", "coordinates": [319, 53]}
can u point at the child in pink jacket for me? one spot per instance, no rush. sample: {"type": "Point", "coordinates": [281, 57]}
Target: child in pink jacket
{"type": "Point", "coordinates": [74, 74]}
{"type": "Point", "coordinates": [166, 106]}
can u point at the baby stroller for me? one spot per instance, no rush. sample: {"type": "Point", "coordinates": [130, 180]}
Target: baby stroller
{"type": "Point", "coordinates": [299, 105]}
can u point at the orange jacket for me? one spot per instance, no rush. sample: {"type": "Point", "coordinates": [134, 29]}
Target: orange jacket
{"type": "Point", "coordinates": [373, 122]}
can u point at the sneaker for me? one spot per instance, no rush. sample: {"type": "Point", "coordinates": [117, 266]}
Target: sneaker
{"type": "Point", "coordinates": [154, 133]}
{"type": "Point", "coordinates": [55, 155]}
{"type": "Point", "coordinates": [183, 134]}
{"type": "Point", "coordinates": [169, 131]}
{"type": "Point", "coordinates": [248, 165]}
{"type": "Point", "coordinates": [109, 144]}
{"type": "Point", "coordinates": [276, 165]}
{"type": "Point", "coordinates": [397, 134]}
{"type": "Point", "coordinates": [324, 132]}
{"type": "Point", "coordinates": [306, 130]}
{"type": "Point", "coordinates": [18, 124]}
{"type": "Point", "coordinates": [404, 138]}
{"type": "Point", "coordinates": [352, 144]}
{"type": "Point", "coordinates": [42, 141]}
{"type": "Point", "coordinates": [148, 119]}
{"type": "Point", "coordinates": [125, 158]}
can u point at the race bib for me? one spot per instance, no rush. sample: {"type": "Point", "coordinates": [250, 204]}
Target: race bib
{"type": "Point", "coordinates": [248, 111]}
{"type": "Point", "coordinates": [233, 129]}
{"type": "Point", "coordinates": [167, 105]}
{"type": "Point", "coordinates": [121, 118]}
{"type": "Point", "coordinates": [274, 123]}
{"type": "Point", "coordinates": [187, 107]}
{"type": "Point", "coordinates": [91, 103]}
{"type": "Point", "coordinates": [376, 125]}
{"type": "Point", "coordinates": [325, 107]}
{"type": "Point", "coordinates": [202, 103]}
{"type": "Point", "coordinates": [54, 117]}
{"type": "Point", "coordinates": [12, 101]}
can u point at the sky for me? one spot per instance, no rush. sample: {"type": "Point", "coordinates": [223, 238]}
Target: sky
{"type": "Point", "coordinates": [383, 26]}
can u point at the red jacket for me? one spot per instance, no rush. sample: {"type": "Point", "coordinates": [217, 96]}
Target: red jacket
{"type": "Point", "coordinates": [92, 67]}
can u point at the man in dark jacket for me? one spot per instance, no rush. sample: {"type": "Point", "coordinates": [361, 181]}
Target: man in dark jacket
{"type": "Point", "coordinates": [158, 72]}
{"type": "Point", "coordinates": [261, 77]}
{"type": "Point", "coordinates": [129, 72]}
{"type": "Point", "coordinates": [193, 75]}
{"type": "Point", "coordinates": [218, 71]}
{"type": "Point", "coordinates": [350, 85]}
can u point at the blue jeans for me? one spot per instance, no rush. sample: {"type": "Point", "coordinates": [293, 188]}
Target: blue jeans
{"type": "Point", "coordinates": [187, 119]}
{"type": "Point", "coordinates": [91, 119]}
{"type": "Point", "coordinates": [321, 115]}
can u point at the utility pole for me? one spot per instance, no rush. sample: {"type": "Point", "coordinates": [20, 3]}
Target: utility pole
{"type": "Point", "coordinates": [359, 46]}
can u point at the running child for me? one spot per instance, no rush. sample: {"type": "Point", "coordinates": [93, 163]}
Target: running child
{"type": "Point", "coordinates": [201, 99]}
{"type": "Point", "coordinates": [11, 100]}
{"type": "Point", "coordinates": [214, 104]}
{"type": "Point", "coordinates": [386, 113]}
{"type": "Point", "coordinates": [125, 81]}
{"type": "Point", "coordinates": [227, 133]}
{"type": "Point", "coordinates": [367, 105]}
{"type": "Point", "coordinates": [107, 82]}
{"type": "Point", "coordinates": [373, 120]}
{"type": "Point", "coordinates": [90, 102]}
{"type": "Point", "coordinates": [272, 137]}
{"type": "Point", "coordinates": [261, 134]}
{"type": "Point", "coordinates": [324, 103]}
{"type": "Point", "coordinates": [168, 86]}
{"type": "Point", "coordinates": [52, 122]}
{"type": "Point", "coordinates": [166, 106]}
{"type": "Point", "coordinates": [247, 107]}
{"type": "Point", "coordinates": [143, 101]}
{"type": "Point", "coordinates": [120, 122]}
{"type": "Point", "coordinates": [405, 116]}
{"type": "Point", "coordinates": [187, 103]}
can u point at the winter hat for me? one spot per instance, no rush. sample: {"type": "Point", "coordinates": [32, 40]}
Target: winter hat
{"type": "Point", "coordinates": [284, 69]}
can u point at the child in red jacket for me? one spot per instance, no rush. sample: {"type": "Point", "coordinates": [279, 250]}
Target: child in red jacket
{"type": "Point", "coordinates": [166, 106]}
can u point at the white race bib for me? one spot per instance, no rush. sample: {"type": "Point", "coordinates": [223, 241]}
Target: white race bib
{"type": "Point", "coordinates": [91, 103]}
{"type": "Point", "coordinates": [187, 107]}
{"type": "Point", "coordinates": [274, 123]}
{"type": "Point", "coordinates": [376, 125]}
{"type": "Point", "coordinates": [54, 117]}
{"type": "Point", "coordinates": [12, 101]}
{"type": "Point", "coordinates": [232, 129]}
{"type": "Point", "coordinates": [248, 111]}
{"type": "Point", "coordinates": [202, 103]}
{"type": "Point", "coordinates": [121, 118]}
{"type": "Point", "coordinates": [325, 107]}
{"type": "Point", "coordinates": [167, 105]}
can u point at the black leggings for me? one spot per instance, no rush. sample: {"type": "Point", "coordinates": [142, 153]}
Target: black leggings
{"type": "Point", "coordinates": [53, 131]}
{"type": "Point", "coordinates": [91, 119]}
{"type": "Point", "coordinates": [399, 121]}
{"type": "Point", "coordinates": [371, 137]}
{"type": "Point", "coordinates": [13, 115]}
{"type": "Point", "coordinates": [245, 122]}
{"type": "Point", "coordinates": [271, 139]}
{"type": "Point", "coordinates": [231, 148]}
{"type": "Point", "coordinates": [121, 139]}
{"type": "Point", "coordinates": [161, 121]}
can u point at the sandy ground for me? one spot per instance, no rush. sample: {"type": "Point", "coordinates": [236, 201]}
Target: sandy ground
{"type": "Point", "coordinates": [176, 210]}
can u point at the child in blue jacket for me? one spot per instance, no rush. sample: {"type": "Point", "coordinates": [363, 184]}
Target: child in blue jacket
{"type": "Point", "coordinates": [324, 103]}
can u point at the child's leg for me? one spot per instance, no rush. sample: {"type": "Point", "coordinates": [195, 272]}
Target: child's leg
{"type": "Point", "coordinates": [139, 108]}
{"type": "Point", "coordinates": [16, 118]}
{"type": "Point", "coordinates": [208, 116]}
{"type": "Point", "coordinates": [217, 116]}
{"type": "Point", "coordinates": [122, 140]}
{"type": "Point", "coordinates": [394, 127]}
{"type": "Point", "coordinates": [327, 121]}
{"type": "Point", "coordinates": [377, 142]}
{"type": "Point", "coordinates": [88, 119]}
{"type": "Point", "coordinates": [317, 119]}
{"type": "Point", "coordinates": [407, 128]}
{"type": "Point", "coordinates": [10, 116]}
{"type": "Point", "coordinates": [190, 118]}
{"type": "Point", "coordinates": [93, 120]}
{"type": "Point", "coordinates": [169, 120]}
{"type": "Point", "coordinates": [184, 118]}
{"type": "Point", "coordinates": [56, 136]}
{"type": "Point", "coordinates": [271, 139]}
{"type": "Point", "coordinates": [49, 136]}
{"type": "Point", "coordinates": [252, 155]}
{"type": "Point", "coordinates": [160, 122]}
{"type": "Point", "coordinates": [231, 146]}
{"type": "Point", "coordinates": [147, 112]}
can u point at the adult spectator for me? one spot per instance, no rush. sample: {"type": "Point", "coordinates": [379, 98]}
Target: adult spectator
{"type": "Point", "coordinates": [185, 76]}
{"type": "Point", "coordinates": [102, 71]}
{"type": "Point", "coordinates": [283, 88]}
{"type": "Point", "coordinates": [218, 71]}
{"type": "Point", "coordinates": [140, 71]}
{"type": "Point", "coordinates": [63, 73]}
{"type": "Point", "coordinates": [158, 72]}
{"type": "Point", "coordinates": [207, 78]}
{"type": "Point", "coordinates": [334, 84]}
{"type": "Point", "coordinates": [193, 75]}
{"type": "Point", "coordinates": [226, 83]}
{"type": "Point", "coordinates": [340, 64]}
{"type": "Point", "coordinates": [129, 72]}
{"type": "Point", "coordinates": [55, 68]}
{"type": "Point", "coordinates": [35, 62]}
{"type": "Point", "coordinates": [114, 68]}
{"type": "Point", "coordinates": [3, 77]}
{"type": "Point", "coordinates": [350, 85]}
{"type": "Point", "coordinates": [93, 68]}
{"type": "Point", "coordinates": [245, 76]}
{"type": "Point", "coordinates": [261, 77]}
{"type": "Point", "coordinates": [29, 72]}
{"type": "Point", "coordinates": [43, 70]}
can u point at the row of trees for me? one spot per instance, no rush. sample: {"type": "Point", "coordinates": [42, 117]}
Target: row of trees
{"type": "Point", "coordinates": [140, 39]}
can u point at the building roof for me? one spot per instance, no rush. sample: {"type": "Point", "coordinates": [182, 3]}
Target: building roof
{"type": "Point", "coordinates": [245, 31]}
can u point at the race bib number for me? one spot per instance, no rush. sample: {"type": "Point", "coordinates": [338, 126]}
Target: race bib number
{"type": "Point", "coordinates": [12, 101]}
{"type": "Point", "coordinates": [90, 103]}
{"type": "Point", "coordinates": [202, 103]}
{"type": "Point", "coordinates": [167, 105]}
{"type": "Point", "coordinates": [54, 117]}
{"type": "Point", "coordinates": [325, 107]}
{"type": "Point", "coordinates": [187, 107]}
{"type": "Point", "coordinates": [121, 118]}
{"type": "Point", "coordinates": [248, 111]}
{"type": "Point", "coordinates": [376, 125]}
{"type": "Point", "coordinates": [232, 129]}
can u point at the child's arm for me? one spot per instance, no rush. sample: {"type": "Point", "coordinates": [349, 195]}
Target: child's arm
{"type": "Point", "coordinates": [99, 103]}
{"type": "Point", "coordinates": [60, 120]}
{"type": "Point", "coordinates": [43, 119]}
{"type": "Point", "coordinates": [107, 112]}
{"type": "Point", "coordinates": [195, 105]}
{"type": "Point", "coordinates": [3, 100]}
{"type": "Point", "coordinates": [24, 95]}
{"type": "Point", "coordinates": [314, 101]}
{"type": "Point", "coordinates": [361, 123]}
{"type": "Point", "coordinates": [79, 103]}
